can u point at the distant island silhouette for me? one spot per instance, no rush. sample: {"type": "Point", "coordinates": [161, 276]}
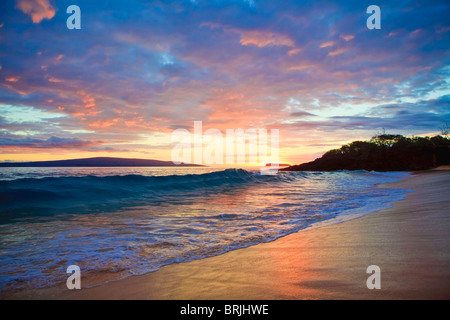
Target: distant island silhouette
{"type": "Point", "coordinates": [98, 162]}
{"type": "Point", "coordinates": [385, 152]}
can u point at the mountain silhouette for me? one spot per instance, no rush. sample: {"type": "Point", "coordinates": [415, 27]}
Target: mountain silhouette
{"type": "Point", "coordinates": [98, 162]}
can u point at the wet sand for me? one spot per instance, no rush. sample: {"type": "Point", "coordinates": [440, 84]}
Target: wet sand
{"type": "Point", "coordinates": [410, 242]}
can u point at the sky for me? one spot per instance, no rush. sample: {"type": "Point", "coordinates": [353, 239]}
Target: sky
{"type": "Point", "coordinates": [138, 70]}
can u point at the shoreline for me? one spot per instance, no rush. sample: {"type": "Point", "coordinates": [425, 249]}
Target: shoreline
{"type": "Point", "coordinates": [410, 242]}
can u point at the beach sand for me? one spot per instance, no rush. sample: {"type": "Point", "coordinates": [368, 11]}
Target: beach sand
{"type": "Point", "coordinates": [410, 242]}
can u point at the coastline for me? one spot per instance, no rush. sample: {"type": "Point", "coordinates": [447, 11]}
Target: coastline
{"type": "Point", "coordinates": [410, 242]}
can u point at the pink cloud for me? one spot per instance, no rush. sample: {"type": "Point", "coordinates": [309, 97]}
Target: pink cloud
{"type": "Point", "coordinates": [337, 52]}
{"type": "Point", "coordinates": [300, 67]}
{"type": "Point", "coordinates": [415, 32]}
{"type": "Point", "coordinates": [259, 38]}
{"type": "Point", "coordinates": [348, 37]}
{"type": "Point", "coordinates": [38, 10]}
{"type": "Point", "coordinates": [443, 30]}
{"type": "Point", "coordinates": [294, 51]}
{"type": "Point", "coordinates": [327, 44]}
{"type": "Point", "coordinates": [264, 39]}
{"type": "Point", "coordinates": [55, 80]}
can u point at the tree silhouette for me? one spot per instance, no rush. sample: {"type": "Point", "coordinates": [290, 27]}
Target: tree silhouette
{"type": "Point", "coordinates": [445, 130]}
{"type": "Point", "coordinates": [384, 152]}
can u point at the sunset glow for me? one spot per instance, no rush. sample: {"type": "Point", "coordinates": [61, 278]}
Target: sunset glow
{"type": "Point", "coordinates": [138, 70]}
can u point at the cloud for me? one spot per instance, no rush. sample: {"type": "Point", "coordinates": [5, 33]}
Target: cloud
{"type": "Point", "coordinates": [155, 66]}
{"type": "Point", "coordinates": [326, 44]}
{"type": "Point", "coordinates": [264, 39]}
{"type": "Point", "coordinates": [26, 114]}
{"type": "Point", "coordinates": [294, 51]}
{"type": "Point", "coordinates": [300, 68]}
{"type": "Point", "coordinates": [337, 52]}
{"type": "Point", "coordinates": [52, 142]}
{"type": "Point", "coordinates": [348, 37]}
{"type": "Point", "coordinates": [12, 79]}
{"type": "Point", "coordinates": [51, 79]}
{"type": "Point", "coordinates": [423, 116]}
{"type": "Point", "coordinates": [38, 10]}
{"type": "Point", "coordinates": [259, 38]}
{"type": "Point", "coordinates": [301, 114]}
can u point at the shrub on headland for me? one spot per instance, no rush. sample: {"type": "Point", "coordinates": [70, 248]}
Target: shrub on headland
{"type": "Point", "coordinates": [384, 152]}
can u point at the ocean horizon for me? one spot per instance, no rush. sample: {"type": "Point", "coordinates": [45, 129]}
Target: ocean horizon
{"type": "Point", "coordinates": [118, 222]}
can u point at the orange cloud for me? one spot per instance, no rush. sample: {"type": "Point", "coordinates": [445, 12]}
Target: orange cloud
{"type": "Point", "coordinates": [88, 101]}
{"type": "Point", "coordinates": [103, 123]}
{"type": "Point", "coordinates": [12, 79]}
{"type": "Point", "coordinates": [38, 10]}
{"type": "Point", "coordinates": [55, 80]}
{"type": "Point", "coordinates": [264, 39]}
{"type": "Point", "coordinates": [259, 38]}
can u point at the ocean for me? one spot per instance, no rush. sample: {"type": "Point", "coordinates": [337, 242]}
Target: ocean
{"type": "Point", "coordinates": [118, 222]}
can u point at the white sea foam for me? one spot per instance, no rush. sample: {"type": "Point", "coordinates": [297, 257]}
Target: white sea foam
{"type": "Point", "coordinates": [136, 222]}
